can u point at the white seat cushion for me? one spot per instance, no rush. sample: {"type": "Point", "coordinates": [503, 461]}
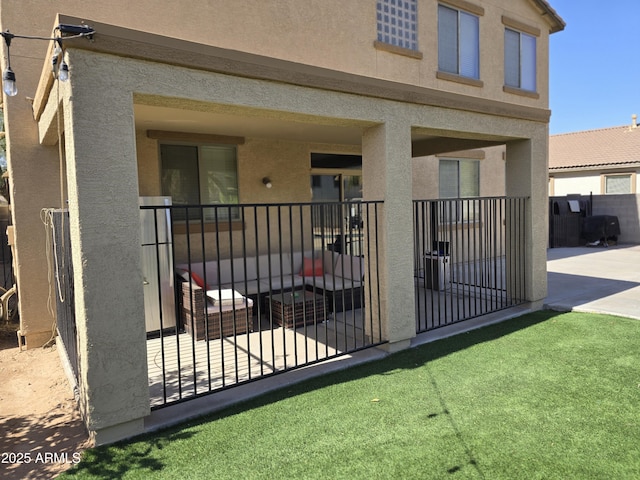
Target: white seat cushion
{"type": "Point", "coordinates": [225, 296]}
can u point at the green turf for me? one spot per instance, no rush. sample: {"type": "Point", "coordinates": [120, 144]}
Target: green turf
{"type": "Point", "coordinates": [544, 396]}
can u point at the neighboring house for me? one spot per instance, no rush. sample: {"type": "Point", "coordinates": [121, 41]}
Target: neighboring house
{"type": "Point", "coordinates": [212, 102]}
{"type": "Point", "coordinates": [599, 162]}
{"type": "Point", "coordinates": [601, 166]}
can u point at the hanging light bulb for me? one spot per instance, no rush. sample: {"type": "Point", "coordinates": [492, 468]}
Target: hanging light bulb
{"type": "Point", "coordinates": [8, 77]}
{"type": "Point", "coordinates": [9, 82]}
{"type": "Point", "coordinates": [63, 73]}
{"type": "Point", "coordinates": [59, 67]}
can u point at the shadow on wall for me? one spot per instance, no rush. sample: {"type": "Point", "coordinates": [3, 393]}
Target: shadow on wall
{"type": "Point", "coordinates": [627, 208]}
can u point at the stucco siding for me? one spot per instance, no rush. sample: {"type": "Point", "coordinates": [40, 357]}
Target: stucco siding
{"type": "Point", "coordinates": [337, 35]}
{"type": "Point", "coordinates": [582, 183]}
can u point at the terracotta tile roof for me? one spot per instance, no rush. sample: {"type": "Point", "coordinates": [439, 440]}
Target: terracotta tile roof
{"type": "Point", "coordinates": [606, 147]}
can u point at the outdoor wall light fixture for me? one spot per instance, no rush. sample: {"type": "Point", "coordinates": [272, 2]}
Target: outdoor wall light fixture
{"type": "Point", "coordinates": [59, 67]}
{"type": "Point", "coordinates": [267, 182]}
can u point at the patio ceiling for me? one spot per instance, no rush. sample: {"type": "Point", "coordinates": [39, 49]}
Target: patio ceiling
{"type": "Point", "coordinates": [149, 117]}
{"type": "Point", "coordinates": [237, 122]}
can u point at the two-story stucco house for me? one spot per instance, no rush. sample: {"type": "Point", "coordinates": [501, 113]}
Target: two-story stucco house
{"type": "Point", "coordinates": [246, 103]}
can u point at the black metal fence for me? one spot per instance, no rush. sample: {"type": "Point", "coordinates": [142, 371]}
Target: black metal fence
{"type": "Point", "coordinates": [256, 290]}
{"type": "Point", "coordinates": [58, 222]}
{"type": "Point", "coordinates": [236, 293]}
{"type": "Point", "coordinates": [469, 258]}
{"type": "Point", "coordinates": [6, 258]}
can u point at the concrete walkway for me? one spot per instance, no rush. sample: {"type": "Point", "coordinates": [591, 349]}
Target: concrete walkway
{"type": "Point", "coordinates": [595, 279]}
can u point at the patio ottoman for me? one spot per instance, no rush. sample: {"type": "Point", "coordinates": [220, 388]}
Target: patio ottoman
{"type": "Point", "coordinates": [207, 319]}
{"type": "Point", "coordinates": [297, 308]}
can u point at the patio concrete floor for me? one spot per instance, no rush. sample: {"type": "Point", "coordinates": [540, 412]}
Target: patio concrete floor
{"type": "Point", "coordinates": [595, 279]}
{"type": "Point", "coordinates": [196, 367]}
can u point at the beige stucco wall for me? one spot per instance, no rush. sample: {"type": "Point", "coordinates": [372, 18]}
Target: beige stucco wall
{"type": "Point", "coordinates": [34, 183]}
{"type": "Point", "coordinates": [492, 172]}
{"type": "Point", "coordinates": [287, 164]}
{"type": "Point", "coordinates": [335, 34]}
{"type": "Point", "coordinates": [583, 183]}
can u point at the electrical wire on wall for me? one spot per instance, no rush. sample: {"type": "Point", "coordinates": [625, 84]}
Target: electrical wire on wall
{"type": "Point", "coordinates": [51, 246]}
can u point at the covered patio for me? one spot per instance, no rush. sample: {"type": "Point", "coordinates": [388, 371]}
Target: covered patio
{"type": "Point", "coordinates": [275, 114]}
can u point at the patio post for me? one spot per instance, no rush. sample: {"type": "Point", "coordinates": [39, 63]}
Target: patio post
{"type": "Point", "coordinates": [104, 226]}
{"type": "Point", "coordinates": [527, 176]}
{"type": "Point", "coordinates": [386, 172]}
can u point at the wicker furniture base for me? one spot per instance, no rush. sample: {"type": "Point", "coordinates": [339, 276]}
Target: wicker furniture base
{"type": "Point", "coordinates": [228, 320]}
{"type": "Point", "coordinates": [297, 308]}
{"type": "Point", "coordinates": [343, 300]}
{"type": "Point", "coordinates": [233, 319]}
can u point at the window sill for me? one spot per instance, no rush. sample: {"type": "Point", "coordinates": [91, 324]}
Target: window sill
{"type": "Point", "coordinates": [196, 227]}
{"type": "Point", "coordinates": [521, 92]}
{"type": "Point", "coordinates": [452, 77]}
{"type": "Point", "coordinates": [407, 52]}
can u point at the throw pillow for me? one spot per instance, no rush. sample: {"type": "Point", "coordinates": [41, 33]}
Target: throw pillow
{"type": "Point", "coordinates": [311, 267]}
{"type": "Point", "coordinates": [197, 279]}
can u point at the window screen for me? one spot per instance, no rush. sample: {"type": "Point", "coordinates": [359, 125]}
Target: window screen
{"type": "Point", "coordinates": [200, 175]}
{"type": "Point", "coordinates": [617, 184]}
{"type": "Point", "coordinates": [519, 60]}
{"type": "Point", "coordinates": [459, 178]}
{"type": "Point", "coordinates": [458, 42]}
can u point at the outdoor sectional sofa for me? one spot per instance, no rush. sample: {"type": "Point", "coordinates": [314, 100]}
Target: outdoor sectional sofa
{"type": "Point", "coordinates": [338, 277]}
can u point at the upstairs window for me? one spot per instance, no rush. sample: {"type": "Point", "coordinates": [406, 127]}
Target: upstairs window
{"type": "Point", "coordinates": [458, 42]}
{"type": "Point", "coordinates": [519, 60]}
{"type": "Point", "coordinates": [398, 23]}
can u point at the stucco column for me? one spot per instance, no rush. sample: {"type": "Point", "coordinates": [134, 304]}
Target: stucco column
{"type": "Point", "coordinates": [105, 238]}
{"type": "Point", "coordinates": [386, 172]}
{"type": "Point", "coordinates": [527, 176]}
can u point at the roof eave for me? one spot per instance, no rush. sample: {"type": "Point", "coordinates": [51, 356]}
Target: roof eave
{"type": "Point", "coordinates": [557, 23]}
{"type": "Point", "coordinates": [599, 167]}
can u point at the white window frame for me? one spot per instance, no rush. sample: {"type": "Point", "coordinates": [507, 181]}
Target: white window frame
{"type": "Point", "coordinates": [520, 61]}
{"type": "Point", "coordinates": [462, 56]}
{"type": "Point", "coordinates": [397, 23]}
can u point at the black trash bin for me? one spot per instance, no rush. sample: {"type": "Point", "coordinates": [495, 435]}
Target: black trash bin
{"type": "Point", "coordinates": [600, 229]}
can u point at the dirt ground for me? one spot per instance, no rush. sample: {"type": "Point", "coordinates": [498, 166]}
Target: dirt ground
{"type": "Point", "coordinates": [41, 432]}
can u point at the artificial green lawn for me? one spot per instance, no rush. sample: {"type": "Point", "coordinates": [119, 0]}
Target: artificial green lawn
{"type": "Point", "coordinates": [544, 396]}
